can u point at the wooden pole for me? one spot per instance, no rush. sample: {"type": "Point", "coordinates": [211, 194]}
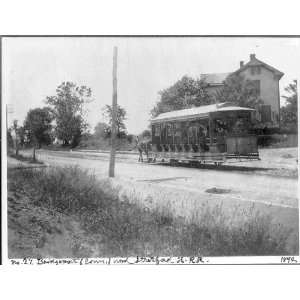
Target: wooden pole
{"type": "Point", "coordinates": [6, 119]}
{"type": "Point", "coordinates": [114, 117]}
{"type": "Point", "coordinates": [16, 138]}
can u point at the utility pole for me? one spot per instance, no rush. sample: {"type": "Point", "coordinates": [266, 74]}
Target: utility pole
{"type": "Point", "coordinates": [6, 119]}
{"type": "Point", "coordinates": [114, 117]}
{"type": "Point", "coordinates": [16, 136]}
{"type": "Point", "coordinates": [9, 110]}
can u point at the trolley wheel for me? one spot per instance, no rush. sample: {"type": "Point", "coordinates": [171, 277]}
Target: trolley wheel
{"type": "Point", "coordinates": [193, 163]}
{"type": "Point", "coordinates": [173, 162]}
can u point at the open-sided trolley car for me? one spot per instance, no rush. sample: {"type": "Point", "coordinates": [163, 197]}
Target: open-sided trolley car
{"type": "Point", "coordinates": [205, 134]}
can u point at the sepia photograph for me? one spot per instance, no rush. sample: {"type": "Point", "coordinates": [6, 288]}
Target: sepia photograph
{"type": "Point", "coordinates": [151, 149]}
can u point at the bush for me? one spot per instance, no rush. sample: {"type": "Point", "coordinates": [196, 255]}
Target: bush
{"type": "Point", "coordinates": [130, 138]}
{"type": "Point", "coordinates": [146, 134]}
{"type": "Point", "coordinates": [278, 140]}
{"type": "Point", "coordinates": [124, 228]}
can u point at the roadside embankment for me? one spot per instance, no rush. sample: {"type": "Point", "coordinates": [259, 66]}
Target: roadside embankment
{"type": "Point", "coordinates": [97, 218]}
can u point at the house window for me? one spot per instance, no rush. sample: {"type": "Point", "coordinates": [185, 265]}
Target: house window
{"type": "Point", "coordinates": [256, 85]}
{"type": "Point", "coordinates": [258, 70]}
{"type": "Point", "coordinates": [265, 113]}
{"type": "Point", "coordinates": [255, 70]}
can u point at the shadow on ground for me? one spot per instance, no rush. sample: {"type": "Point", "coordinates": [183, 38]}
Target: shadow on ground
{"type": "Point", "coordinates": [162, 179]}
{"type": "Point", "coordinates": [215, 167]}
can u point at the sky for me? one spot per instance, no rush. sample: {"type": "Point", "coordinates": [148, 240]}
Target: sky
{"type": "Point", "coordinates": [32, 68]}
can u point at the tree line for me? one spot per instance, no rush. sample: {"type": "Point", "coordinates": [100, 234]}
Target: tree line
{"type": "Point", "coordinates": [63, 117]}
{"type": "Point", "coordinates": [289, 112]}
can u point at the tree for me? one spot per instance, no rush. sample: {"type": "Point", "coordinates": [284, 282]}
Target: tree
{"type": "Point", "coordinates": [289, 112]}
{"type": "Point", "coordinates": [9, 138]}
{"type": "Point", "coordinates": [22, 135]}
{"type": "Point", "coordinates": [130, 138]}
{"type": "Point", "coordinates": [68, 109]}
{"type": "Point", "coordinates": [146, 134]}
{"type": "Point", "coordinates": [185, 93]}
{"type": "Point", "coordinates": [37, 125]}
{"type": "Point", "coordinates": [239, 91]}
{"type": "Point", "coordinates": [101, 130]}
{"type": "Point", "coordinates": [15, 136]}
{"type": "Point", "coordinates": [121, 117]}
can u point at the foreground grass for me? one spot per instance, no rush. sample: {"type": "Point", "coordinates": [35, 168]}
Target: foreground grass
{"type": "Point", "coordinates": [111, 226]}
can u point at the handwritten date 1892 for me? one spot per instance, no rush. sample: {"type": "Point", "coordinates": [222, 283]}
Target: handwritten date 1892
{"type": "Point", "coordinates": [289, 260]}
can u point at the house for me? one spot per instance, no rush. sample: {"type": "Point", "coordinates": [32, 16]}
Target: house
{"type": "Point", "coordinates": [266, 79]}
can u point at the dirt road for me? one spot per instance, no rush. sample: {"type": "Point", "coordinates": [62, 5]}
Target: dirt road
{"type": "Point", "coordinates": [230, 185]}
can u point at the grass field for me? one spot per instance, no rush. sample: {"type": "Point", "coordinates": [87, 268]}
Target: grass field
{"type": "Point", "coordinates": [65, 212]}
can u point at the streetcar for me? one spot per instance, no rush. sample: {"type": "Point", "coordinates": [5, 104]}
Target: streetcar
{"type": "Point", "coordinates": [206, 134]}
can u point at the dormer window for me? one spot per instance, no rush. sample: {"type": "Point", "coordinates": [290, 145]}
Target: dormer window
{"type": "Point", "coordinates": [255, 70]}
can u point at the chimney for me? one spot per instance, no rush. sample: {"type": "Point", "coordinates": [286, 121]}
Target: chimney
{"type": "Point", "coordinates": [252, 56]}
{"type": "Point", "coordinates": [241, 64]}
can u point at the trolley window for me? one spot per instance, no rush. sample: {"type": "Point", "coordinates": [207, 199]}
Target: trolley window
{"type": "Point", "coordinates": [157, 130]}
{"type": "Point", "coordinates": [169, 130]}
{"type": "Point", "coordinates": [177, 129]}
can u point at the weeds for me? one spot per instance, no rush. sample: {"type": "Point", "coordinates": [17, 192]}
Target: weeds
{"type": "Point", "coordinates": [120, 226]}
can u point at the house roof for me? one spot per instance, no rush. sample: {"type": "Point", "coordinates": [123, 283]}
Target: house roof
{"type": "Point", "coordinates": [256, 62]}
{"type": "Point", "coordinates": [214, 78]}
{"type": "Point", "coordinates": [197, 112]}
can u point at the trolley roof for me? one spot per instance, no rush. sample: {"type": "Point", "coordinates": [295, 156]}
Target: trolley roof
{"type": "Point", "coordinates": [197, 112]}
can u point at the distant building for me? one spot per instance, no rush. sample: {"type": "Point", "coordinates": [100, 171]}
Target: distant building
{"type": "Point", "coordinates": [266, 79]}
